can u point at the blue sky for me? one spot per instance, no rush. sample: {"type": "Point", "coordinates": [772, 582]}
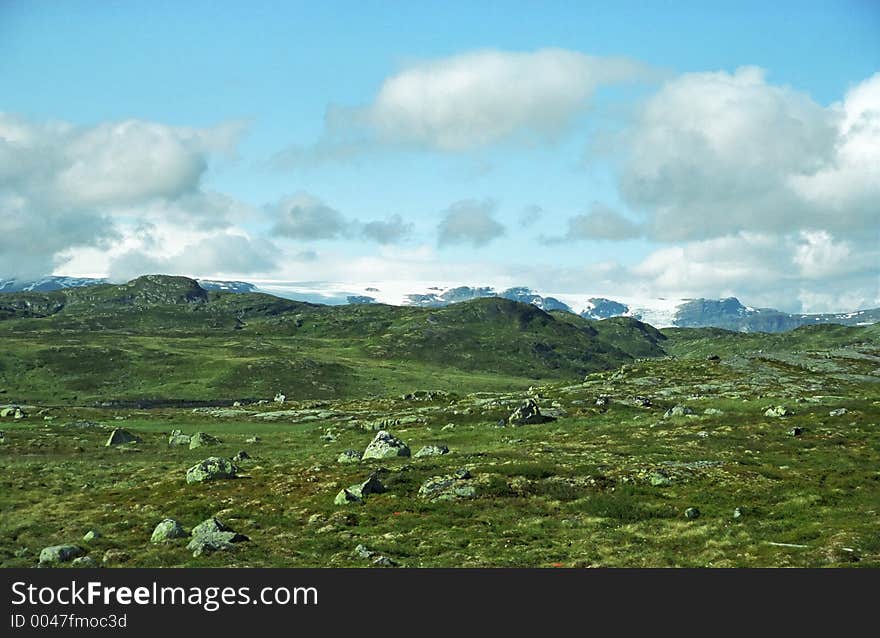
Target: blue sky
{"type": "Point", "coordinates": [278, 109]}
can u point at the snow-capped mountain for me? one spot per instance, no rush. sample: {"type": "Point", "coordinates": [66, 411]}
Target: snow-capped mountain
{"type": "Point", "coordinates": [47, 284]}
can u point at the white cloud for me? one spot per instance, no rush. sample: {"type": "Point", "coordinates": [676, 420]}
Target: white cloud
{"type": "Point", "coordinates": [717, 153]}
{"type": "Point", "coordinates": [601, 222]}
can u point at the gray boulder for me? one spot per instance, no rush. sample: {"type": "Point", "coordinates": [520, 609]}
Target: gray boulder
{"type": "Point", "coordinates": [384, 446]}
{"type": "Point", "coordinates": [778, 411]}
{"type": "Point", "coordinates": [179, 438]}
{"type": "Point", "coordinates": [692, 513]}
{"type": "Point", "coordinates": [357, 493]}
{"type": "Point", "coordinates": [84, 562]}
{"type": "Point", "coordinates": [526, 413]}
{"type": "Point", "coordinates": [211, 469]}
{"type": "Point", "coordinates": [121, 437]}
{"type": "Point", "coordinates": [200, 439]}
{"type": "Point", "coordinates": [212, 535]}
{"type": "Point", "coordinates": [678, 410]}
{"type": "Point", "coordinates": [432, 450]}
{"type": "Point", "coordinates": [59, 554]}
{"type": "Point", "coordinates": [837, 412]}
{"type": "Point", "coordinates": [448, 487]}
{"type": "Point", "coordinates": [166, 530]}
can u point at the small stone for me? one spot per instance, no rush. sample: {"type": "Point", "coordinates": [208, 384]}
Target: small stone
{"type": "Point", "coordinates": [677, 410]}
{"type": "Point", "coordinates": [838, 412]}
{"type": "Point", "coordinates": [91, 535]}
{"type": "Point", "coordinates": [384, 561]}
{"type": "Point", "coordinates": [200, 439]}
{"type": "Point", "coordinates": [737, 512]}
{"type": "Point", "coordinates": [526, 413]}
{"type": "Point", "coordinates": [778, 411]}
{"type": "Point", "coordinates": [212, 535]}
{"type": "Point", "coordinates": [115, 556]}
{"type": "Point", "coordinates": [796, 431]}
{"type": "Point", "coordinates": [179, 438]}
{"type": "Point", "coordinates": [240, 456]}
{"type": "Point", "coordinates": [121, 437]}
{"type": "Point", "coordinates": [59, 554]}
{"type": "Point", "coordinates": [659, 479]}
{"type": "Point", "coordinates": [253, 439]}
{"type": "Point", "coordinates": [692, 513]}
{"type": "Point", "coordinates": [211, 469]}
{"type": "Point", "coordinates": [432, 450]}
{"type": "Point", "coordinates": [84, 562]}
{"type": "Point", "coordinates": [167, 530]}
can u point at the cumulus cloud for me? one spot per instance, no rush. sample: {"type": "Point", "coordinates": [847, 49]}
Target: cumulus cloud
{"type": "Point", "coordinates": [530, 215]}
{"type": "Point", "coordinates": [469, 221]}
{"type": "Point", "coordinates": [601, 222]}
{"type": "Point", "coordinates": [471, 100]}
{"type": "Point", "coordinates": [717, 153]}
{"type": "Point", "coordinates": [64, 186]}
{"type": "Point", "coordinates": [388, 231]}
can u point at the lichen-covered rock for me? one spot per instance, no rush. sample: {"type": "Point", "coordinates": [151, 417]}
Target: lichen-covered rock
{"type": "Point", "coordinates": [212, 535]}
{"type": "Point", "coordinates": [349, 456]}
{"type": "Point", "coordinates": [84, 562]}
{"type": "Point", "coordinates": [59, 554]}
{"type": "Point", "coordinates": [432, 450]}
{"type": "Point", "coordinates": [678, 410]}
{"type": "Point", "coordinates": [13, 412]}
{"type": "Point", "coordinates": [201, 439]}
{"type": "Point", "coordinates": [358, 492]}
{"type": "Point", "coordinates": [385, 445]}
{"type": "Point", "coordinates": [778, 411]}
{"type": "Point", "coordinates": [91, 535]}
{"type": "Point", "coordinates": [121, 437]}
{"type": "Point", "coordinates": [240, 456]}
{"type": "Point", "coordinates": [166, 530]}
{"type": "Point", "coordinates": [837, 412]}
{"type": "Point", "coordinates": [179, 438]}
{"type": "Point", "coordinates": [692, 513]}
{"type": "Point", "coordinates": [448, 487]}
{"type": "Point", "coordinates": [211, 469]}
{"type": "Point", "coordinates": [527, 412]}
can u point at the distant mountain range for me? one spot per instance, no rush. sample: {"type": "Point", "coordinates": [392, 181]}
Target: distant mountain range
{"type": "Point", "coordinates": [728, 313]}
{"type": "Point", "coordinates": [48, 284]}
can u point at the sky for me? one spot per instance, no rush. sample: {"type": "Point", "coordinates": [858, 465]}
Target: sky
{"type": "Point", "coordinates": [640, 149]}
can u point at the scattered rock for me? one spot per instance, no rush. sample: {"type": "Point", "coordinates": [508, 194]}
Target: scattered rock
{"type": "Point", "coordinates": [121, 437]}
{"type": "Point", "coordinates": [236, 404]}
{"type": "Point", "coordinates": [642, 402]}
{"type": "Point", "coordinates": [349, 456]}
{"type": "Point", "coordinates": [166, 530]}
{"type": "Point", "coordinates": [528, 412]}
{"type": "Point", "coordinates": [240, 456]}
{"type": "Point", "coordinates": [778, 411]}
{"type": "Point", "coordinates": [692, 513]}
{"type": "Point", "coordinates": [432, 450]}
{"type": "Point", "coordinates": [253, 439]}
{"type": "Point", "coordinates": [713, 357]}
{"type": "Point", "coordinates": [179, 438]}
{"type": "Point", "coordinates": [838, 412]}
{"type": "Point", "coordinates": [737, 512]}
{"type": "Point", "coordinates": [449, 487]}
{"type": "Point", "coordinates": [658, 479]}
{"type": "Point", "coordinates": [13, 412]}
{"type": "Point", "coordinates": [84, 562]}
{"type": "Point", "coordinates": [280, 398]}
{"type": "Point", "coordinates": [212, 535]}
{"type": "Point", "coordinates": [211, 469]}
{"type": "Point", "coordinates": [59, 554]}
{"type": "Point", "coordinates": [91, 535]}
{"type": "Point", "coordinates": [384, 446]}
{"type": "Point", "coordinates": [796, 431]}
{"type": "Point", "coordinates": [200, 439]}
{"type": "Point", "coordinates": [358, 492]}
{"type": "Point", "coordinates": [713, 412]}
{"type": "Point", "coordinates": [603, 401]}
{"type": "Point", "coordinates": [115, 556]}
{"type": "Point", "coordinates": [448, 427]}
{"type": "Point", "coordinates": [677, 410]}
